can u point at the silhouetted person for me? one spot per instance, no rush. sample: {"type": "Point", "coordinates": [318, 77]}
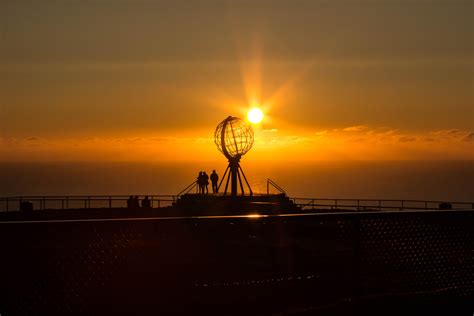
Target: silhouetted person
{"type": "Point", "coordinates": [26, 206]}
{"type": "Point", "coordinates": [133, 202]}
{"type": "Point", "coordinates": [205, 181]}
{"type": "Point", "coordinates": [136, 202]}
{"type": "Point", "coordinates": [214, 180]}
{"type": "Point", "coordinates": [146, 203]}
{"type": "Point", "coordinates": [130, 202]}
{"type": "Point", "coordinates": [200, 182]}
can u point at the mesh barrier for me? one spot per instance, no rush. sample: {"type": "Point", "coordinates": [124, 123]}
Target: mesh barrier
{"type": "Point", "coordinates": [283, 265]}
{"type": "Point", "coordinates": [412, 256]}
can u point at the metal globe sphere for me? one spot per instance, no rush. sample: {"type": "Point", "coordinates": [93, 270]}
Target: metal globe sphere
{"type": "Point", "coordinates": [233, 137]}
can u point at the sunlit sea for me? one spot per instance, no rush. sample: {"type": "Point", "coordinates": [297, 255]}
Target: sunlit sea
{"type": "Point", "coordinates": [425, 180]}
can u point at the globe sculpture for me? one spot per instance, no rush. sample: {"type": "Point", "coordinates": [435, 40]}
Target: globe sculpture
{"type": "Point", "coordinates": [234, 138]}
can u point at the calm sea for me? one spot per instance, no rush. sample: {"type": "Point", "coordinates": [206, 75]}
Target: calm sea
{"type": "Point", "coordinates": [430, 180]}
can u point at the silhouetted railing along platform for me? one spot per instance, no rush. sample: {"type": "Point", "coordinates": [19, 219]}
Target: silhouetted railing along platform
{"type": "Point", "coordinates": [81, 201]}
{"type": "Point", "coordinates": [378, 205]}
{"type": "Point", "coordinates": [159, 201]}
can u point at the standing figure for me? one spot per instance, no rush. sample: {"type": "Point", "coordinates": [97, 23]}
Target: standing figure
{"type": "Point", "coordinates": [146, 203]}
{"type": "Point", "coordinates": [130, 202]}
{"type": "Point", "coordinates": [205, 181]}
{"type": "Point", "coordinates": [200, 182]}
{"type": "Point", "coordinates": [136, 202]}
{"type": "Point", "coordinates": [214, 180]}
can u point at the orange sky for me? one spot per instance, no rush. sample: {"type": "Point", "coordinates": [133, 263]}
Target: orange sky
{"type": "Point", "coordinates": [150, 80]}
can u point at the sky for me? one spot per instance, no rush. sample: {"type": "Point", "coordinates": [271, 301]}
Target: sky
{"type": "Point", "coordinates": [143, 80]}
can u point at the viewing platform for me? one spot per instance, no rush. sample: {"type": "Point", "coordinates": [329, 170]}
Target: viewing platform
{"type": "Point", "coordinates": [187, 203]}
{"type": "Point", "coordinates": [192, 205]}
{"type": "Point", "coordinates": [218, 204]}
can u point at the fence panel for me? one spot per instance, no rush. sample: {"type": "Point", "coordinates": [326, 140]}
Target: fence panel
{"type": "Point", "coordinates": [328, 262]}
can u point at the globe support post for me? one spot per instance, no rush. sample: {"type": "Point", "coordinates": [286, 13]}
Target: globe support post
{"type": "Point", "coordinates": [234, 169]}
{"type": "Point", "coordinates": [233, 173]}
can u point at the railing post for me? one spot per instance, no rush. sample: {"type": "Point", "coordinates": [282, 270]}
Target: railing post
{"type": "Point", "coordinates": [67, 202]}
{"type": "Point", "coordinates": [159, 204]}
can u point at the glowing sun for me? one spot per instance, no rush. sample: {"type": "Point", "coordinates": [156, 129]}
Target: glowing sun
{"type": "Point", "coordinates": [255, 115]}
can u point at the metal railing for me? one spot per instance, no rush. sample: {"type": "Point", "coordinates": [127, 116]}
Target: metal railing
{"type": "Point", "coordinates": [377, 204]}
{"type": "Point", "coordinates": [189, 188]}
{"type": "Point", "coordinates": [157, 201]}
{"type": "Point", "coordinates": [81, 202]}
{"type": "Point", "coordinates": [271, 183]}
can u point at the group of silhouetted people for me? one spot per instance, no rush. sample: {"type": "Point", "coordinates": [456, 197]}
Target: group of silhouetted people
{"type": "Point", "coordinates": [134, 202]}
{"type": "Point", "coordinates": [203, 182]}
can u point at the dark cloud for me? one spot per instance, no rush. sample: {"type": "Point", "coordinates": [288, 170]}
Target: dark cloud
{"type": "Point", "coordinates": [469, 137]}
{"type": "Point", "coordinates": [407, 139]}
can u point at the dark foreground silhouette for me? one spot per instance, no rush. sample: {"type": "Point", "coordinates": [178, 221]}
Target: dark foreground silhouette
{"type": "Point", "coordinates": [326, 264]}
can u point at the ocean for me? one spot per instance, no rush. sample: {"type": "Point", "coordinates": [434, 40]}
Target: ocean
{"type": "Point", "coordinates": [423, 180]}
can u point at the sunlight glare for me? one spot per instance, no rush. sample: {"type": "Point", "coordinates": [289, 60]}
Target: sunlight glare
{"type": "Point", "coordinates": [255, 115]}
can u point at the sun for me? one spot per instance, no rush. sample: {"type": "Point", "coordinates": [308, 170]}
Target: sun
{"type": "Point", "coordinates": [255, 115]}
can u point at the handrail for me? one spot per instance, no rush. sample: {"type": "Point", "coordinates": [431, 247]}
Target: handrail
{"type": "Point", "coordinates": [186, 190]}
{"type": "Point", "coordinates": [81, 201]}
{"type": "Point", "coordinates": [376, 200]}
{"type": "Point", "coordinates": [276, 186]}
{"type": "Point", "coordinates": [114, 201]}
{"type": "Point", "coordinates": [380, 204]}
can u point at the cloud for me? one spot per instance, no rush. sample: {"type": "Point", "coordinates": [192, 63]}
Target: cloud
{"type": "Point", "coordinates": [447, 133]}
{"type": "Point", "coordinates": [362, 142]}
{"type": "Point", "coordinates": [273, 130]}
{"type": "Point", "coordinates": [363, 133]}
{"type": "Point", "coordinates": [407, 139]}
{"type": "Point", "coordinates": [453, 132]}
{"type": "Point", "coordinates": [358, 140]}
{"type": "Point", "coordinates": [356, 128]}
{"type": "Point", "coordinates": [469, 137]}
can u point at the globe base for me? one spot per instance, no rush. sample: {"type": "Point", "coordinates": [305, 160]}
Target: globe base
{"type": "Point", "coordinates": [234, 175]}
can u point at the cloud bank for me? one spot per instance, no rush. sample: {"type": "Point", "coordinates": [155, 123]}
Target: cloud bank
{"type": "Point", "coordinates": [358, 142]}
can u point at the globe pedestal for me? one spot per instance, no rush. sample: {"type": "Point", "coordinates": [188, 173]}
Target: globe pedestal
{"type": "Point", "coordinates": [233, 173]}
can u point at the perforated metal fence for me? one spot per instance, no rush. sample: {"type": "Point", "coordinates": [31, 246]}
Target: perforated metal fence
{"type": "Point", "coordinates": [266, 265]}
